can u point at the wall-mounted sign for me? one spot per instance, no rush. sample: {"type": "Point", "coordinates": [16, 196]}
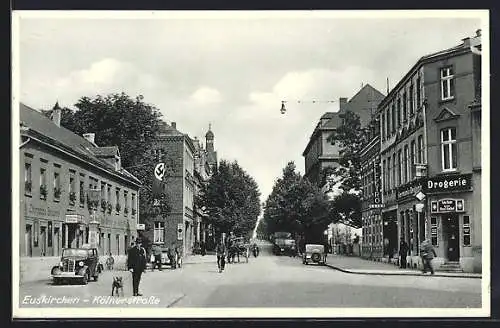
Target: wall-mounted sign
{"type": "Point", "coordinates": [409, 189]}
{"type": "Point", "coordinates": [160, 171]}
{"type": "Point", "coordinates": [141, 226]}
{"type": "Point", "coordinates": [447, 205]}
{"type": "Point", "coordinates": [461, 182]}
{"type": "Point", "coordinates": [73, 218]}
{"type": "Point", "coordinates": [376, 206]}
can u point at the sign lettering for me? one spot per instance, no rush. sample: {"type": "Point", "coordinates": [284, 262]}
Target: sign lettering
{"type": "Point", "coordinates": [449, 183]}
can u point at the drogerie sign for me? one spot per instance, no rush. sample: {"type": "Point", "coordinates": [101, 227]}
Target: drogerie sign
{"type": "Point", "coordinates": [449, 183]}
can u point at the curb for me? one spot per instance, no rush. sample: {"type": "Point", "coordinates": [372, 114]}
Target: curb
{"type": "Point", "coordinates": [398, 273]}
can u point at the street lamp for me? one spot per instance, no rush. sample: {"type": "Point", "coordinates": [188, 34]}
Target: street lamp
{"type": "Point", "coordinates": [283, 108]}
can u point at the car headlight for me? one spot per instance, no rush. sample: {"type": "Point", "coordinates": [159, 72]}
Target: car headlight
{"type": "Point", "coordinates": [80, 263]}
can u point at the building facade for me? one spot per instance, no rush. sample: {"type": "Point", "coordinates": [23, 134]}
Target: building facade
{"type": "Point", "coordinates": [319, 152]}
{"type": "Point", "coordinates": [427, 159]}
{"type": "Point", "coordinates": [73, 192]}
{"type": "Point", "coordinates": [372, 230]}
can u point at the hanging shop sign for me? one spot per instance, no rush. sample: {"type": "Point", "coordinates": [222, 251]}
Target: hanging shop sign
{"type": "Point", "coordinates": [447, 205]}
{"type": "Point", "coordinates": [73, 218]}
{"type": "Point", "coordinates": [462, 182]}
{"type": "Point", "coordinates": [410, 189]}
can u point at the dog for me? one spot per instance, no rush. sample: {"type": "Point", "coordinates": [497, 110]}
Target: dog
{"type": "Point", "coordinates": [117, 285]}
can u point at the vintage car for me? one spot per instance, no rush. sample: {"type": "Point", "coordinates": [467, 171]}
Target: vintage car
{"type": "Point", "coordinates": [314, 253]}
{"type": "Point", "coordinates": [77, 263]}
{"type": "Point", "coordinates": [285, 247]}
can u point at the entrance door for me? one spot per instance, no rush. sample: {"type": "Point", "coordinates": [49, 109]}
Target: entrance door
{"type": "Point", "coordinates": [27, 240]}
{"type": "Point", "coordinates": [43, 241]}
{"type": "Point", "coordinates": [55, 242]}
{"type": "Point", "coordinates": [451, 231]}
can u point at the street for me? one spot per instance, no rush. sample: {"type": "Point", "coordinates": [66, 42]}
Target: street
{"type": "Point", "coordinates": [266, 281]}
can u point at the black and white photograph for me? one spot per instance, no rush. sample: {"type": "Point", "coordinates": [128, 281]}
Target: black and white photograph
{"type": "Point", "coordinates": [248, 164]}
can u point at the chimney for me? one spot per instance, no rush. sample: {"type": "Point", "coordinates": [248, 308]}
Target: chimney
{"type": "Point", "coordinates": [56, 114]}
{"type": "Point", "coordinates": [466, 42]}
{"type": "Point", "coordinates": [174, 125]}
{"type": "Point", "coordinates": [342, 104]}
{"type": "Point", "coordinates": [90, 137]}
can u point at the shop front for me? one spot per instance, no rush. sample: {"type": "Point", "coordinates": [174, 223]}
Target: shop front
{"type": "Point", "coordinates": [452, 224]}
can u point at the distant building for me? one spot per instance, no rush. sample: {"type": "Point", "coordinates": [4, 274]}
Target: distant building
{"type": "Point", "coordinates": [430, 158]}
{"type": "Point", "coordinates": [59, 169]}
{"type": "Point", "coordinates": [319, 152]}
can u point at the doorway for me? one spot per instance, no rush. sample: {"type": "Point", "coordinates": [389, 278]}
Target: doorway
{"type": "Point", "coordinates": [451, 237]}
{"type": "Point", "coordinates": [57, 251]}
{"type": "Point", "coordinates": [27, 240]}
{"type": "Point", "coordinates": [43, 241]}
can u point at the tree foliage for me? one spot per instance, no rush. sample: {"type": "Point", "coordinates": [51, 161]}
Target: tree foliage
{"type": "Point", "coordinates": [351, 138]}
{"type": "Point", "coordinates": [296, 205]}
{"type": "Point", "coordinates": [231, 199]}
{"type": "Point", "coordinates": [132, 125]}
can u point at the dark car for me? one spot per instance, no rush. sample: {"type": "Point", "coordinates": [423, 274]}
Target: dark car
{"type": "Point", "coordinates": [77, 263]}
{"type": "Point", "coordinates": [285, 247]}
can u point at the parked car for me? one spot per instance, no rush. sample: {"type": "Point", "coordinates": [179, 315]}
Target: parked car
{"type": "Point", "coordinates": [314, 253]}
{"type": "Point", "coordinates": [165, 259]}
{"type": "Point", "coordinates": [77, 263]}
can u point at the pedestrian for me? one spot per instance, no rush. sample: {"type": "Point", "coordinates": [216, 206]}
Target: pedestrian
{"type": "Point", "coordinates": [427, 253]}
{"type": "Point", "coordinates": [403, 252]}
{"type": "Point", "coordinates": [172, 256]}
{"type": "Point", "coordinates": [221, 251]}
{"type": "Point", "coordinates": [136, 263]}
{"type": "Point", "coordinates": [156, 256]}
{"type": "Point", "coordinates": [203, 247]}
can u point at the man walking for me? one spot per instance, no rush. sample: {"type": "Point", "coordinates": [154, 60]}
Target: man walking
{"type": "Point", "coordinates": [136, 263]}
{"type": "Point", "coordinates": [403, 252]}
{"type": "Point", "coordinates": [221, 251]}
{"type": "Point", "coordinates": [427, 254]}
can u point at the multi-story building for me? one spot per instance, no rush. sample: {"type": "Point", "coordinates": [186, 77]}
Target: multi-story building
{"type": "Point", "coordinates": [205, 161]}
{"type": "Point", "coordinates": [319, 152]}
{"type": "Point", "coordinates": [427, 158]}
{"type": "Point", "coordinates": [176, 150]}
{"type": "Point", "coordinates": [372, 237]}
{"type": "Point", "coordinates": [73, 193]}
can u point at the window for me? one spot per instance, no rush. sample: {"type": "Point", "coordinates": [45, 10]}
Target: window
{"type": "Point", "coordinates": [382, 125]}
{"type": "Point", "coordinates": [400, 168]}
{"type": "Point", "coordinates": [419, 95]}
{"type": "Point", "coordinates": [43, 183]}
{"type": "Point", "coordinates": [108, 196]}
{"type": "Point", "coordinates": [420, 150]}
{"type": "Point", "coordinates": [413, 154]}
{"type": "Point", "coordinates": [406, 167]}
{"type": "Point", "coordinates": [466, 230]}
{"type": "Point", "coordinates": [449, 149]}
{"type": "Point", "coordinates": [117, 195]}
{"type": "Point", "coordinates": [399, 112]}
{"type": "Point", "coordinates": [394, 171]}
{"type": "Point", "coordinates": [82, 190]}
{"type": "Point", "coordinates": [57, 186]}
{"type": "Point", "coordinates": [388, 122]}
{"type": "Point", "coordinates": [384, 175]}
{"type": "Point", "coordinates": [27, 178]}
{"type": "Point", "coordinates": [71, 188]}
{"type": "Point", "coordinates": [389, 169]}
{"type": "Point", "coordinates": [125, 200]}
{"type": "Point", "coordinates": [159, 232]}
{"type": "Point", "coordinates": [447, 83]}
{"type": "Point", "coordinates": [133, 204]}
{"type": "Point", "coordinates": [405, 108]}
{"type": "Point", "coordinates": [434, 233]}
{"type": "Point", "coordinates": [393, 114]}
{"type": "Point", "coordinates": [410, 93]}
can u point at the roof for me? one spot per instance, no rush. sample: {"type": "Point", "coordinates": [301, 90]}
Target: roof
{"type": "Point", "coordinates": [461, 48]}
{"type": "Point", "coordinates": [106, 151]}
{"type": "Point", "coordinates": [72, 142]}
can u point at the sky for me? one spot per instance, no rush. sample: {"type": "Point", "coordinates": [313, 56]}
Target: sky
{"type": "Point", "coordinates": [230, 70]}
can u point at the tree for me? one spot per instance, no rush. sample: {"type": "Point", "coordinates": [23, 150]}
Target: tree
{"type": "Point", "coordinates": [296, 205]}
{"type": "Point", "coordinates": [351, 137]}
{"type": "Point", "coordinates": [231, 199]}
{"type": "Point", "coordinates": [132, 125]}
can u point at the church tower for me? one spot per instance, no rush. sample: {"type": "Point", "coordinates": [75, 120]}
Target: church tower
{"type": "Point", "coordinates": [211, 153]}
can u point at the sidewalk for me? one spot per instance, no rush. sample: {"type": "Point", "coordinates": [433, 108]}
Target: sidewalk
{"type": "Point", "coordinates": [357, 265]}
